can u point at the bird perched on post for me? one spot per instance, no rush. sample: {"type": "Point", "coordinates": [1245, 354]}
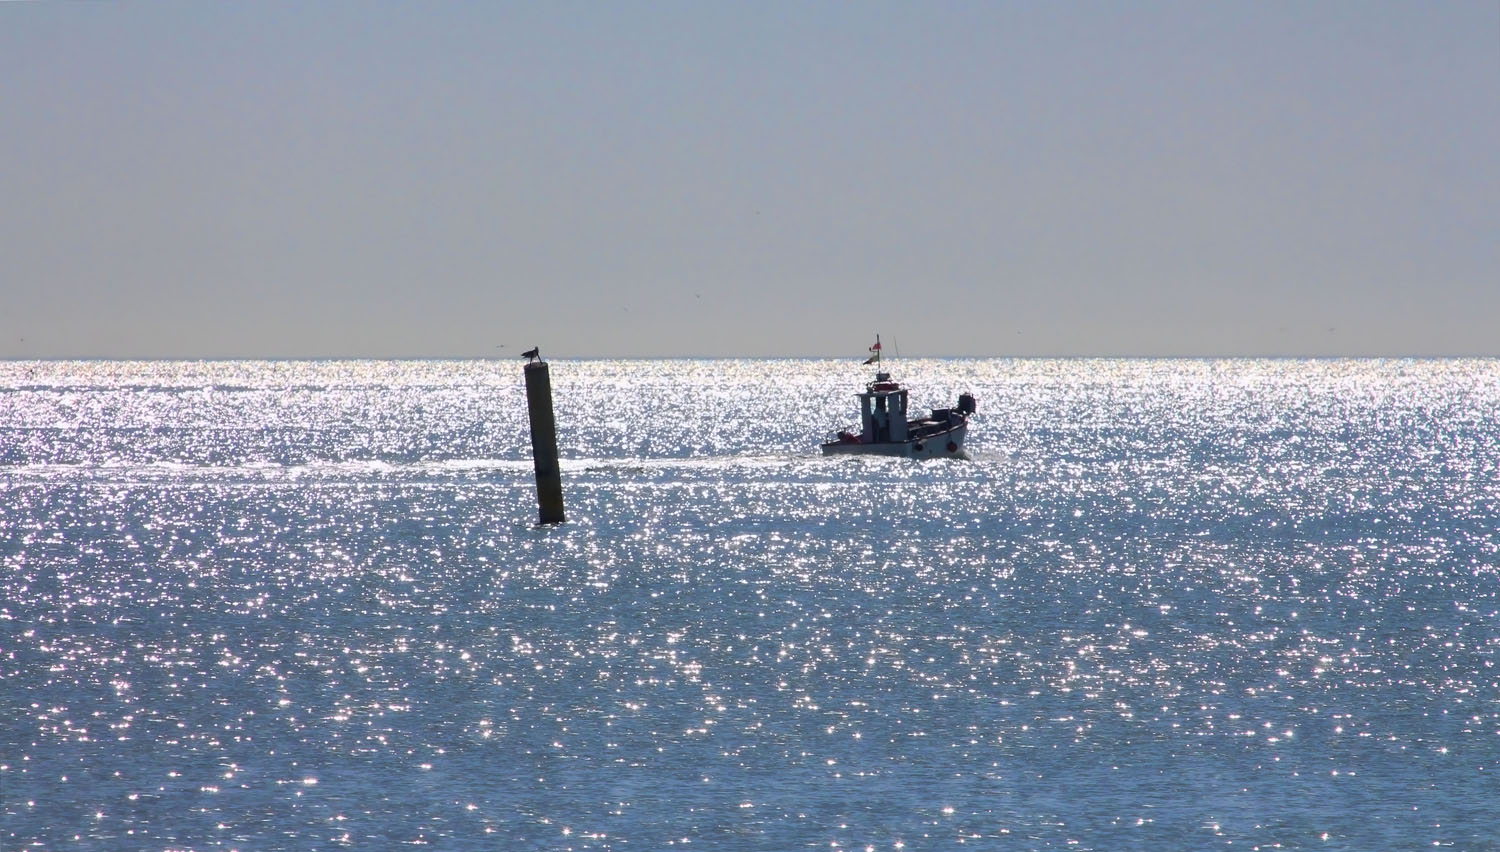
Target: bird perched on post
{"type": "Point", "coordinates": [533, 353]}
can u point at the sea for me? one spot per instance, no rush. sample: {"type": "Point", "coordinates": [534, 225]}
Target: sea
{"type": "Point", "coordinates": [1163, 604]}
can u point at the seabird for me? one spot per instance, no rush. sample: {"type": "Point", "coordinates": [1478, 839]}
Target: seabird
{"type": "Point", "coordinates": [533, 353]}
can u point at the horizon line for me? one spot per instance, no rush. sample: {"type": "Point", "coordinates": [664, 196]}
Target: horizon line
{"type": "Point", "coordinates": [801, 357]}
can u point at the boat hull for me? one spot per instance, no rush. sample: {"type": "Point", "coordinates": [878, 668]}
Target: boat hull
{"type": "Point", "coordinates": [947, 444]}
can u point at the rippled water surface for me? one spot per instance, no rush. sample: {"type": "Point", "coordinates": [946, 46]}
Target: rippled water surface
{"type": "Point", "coordinates": [1165, 605]}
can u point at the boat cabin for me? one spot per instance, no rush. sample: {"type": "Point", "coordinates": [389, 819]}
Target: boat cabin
{"type": "Point", "coordinates": [882, 411]}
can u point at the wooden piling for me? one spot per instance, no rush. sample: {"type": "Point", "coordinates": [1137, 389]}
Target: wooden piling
{"type": "Point", "coordinates": [549, 497]}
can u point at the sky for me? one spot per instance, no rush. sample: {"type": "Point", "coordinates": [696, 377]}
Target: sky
{"type": "Point", "coordinates": [459, 179]}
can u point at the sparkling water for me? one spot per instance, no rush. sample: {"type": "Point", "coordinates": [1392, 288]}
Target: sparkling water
{"type": "Point", "coordinates": [1164, 605]}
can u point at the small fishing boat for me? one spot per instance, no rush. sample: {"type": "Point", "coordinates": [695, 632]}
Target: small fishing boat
{"type": "Point", "coordinates": [886, 430]}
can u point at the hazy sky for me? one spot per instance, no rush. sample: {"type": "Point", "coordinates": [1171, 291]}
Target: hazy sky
{"type": "Point", "coordinates": [294, 179]}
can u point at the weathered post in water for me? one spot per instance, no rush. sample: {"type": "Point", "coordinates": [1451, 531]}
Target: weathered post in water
{"type": "Point", "coordinates": [549, 498]}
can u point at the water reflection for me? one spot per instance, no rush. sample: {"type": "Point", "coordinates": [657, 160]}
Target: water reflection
{"type": "Point", "coordinates": [293, 605]}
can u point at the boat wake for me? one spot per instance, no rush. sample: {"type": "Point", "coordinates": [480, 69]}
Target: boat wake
{"type": "Point", "coordinates": [122, 472]}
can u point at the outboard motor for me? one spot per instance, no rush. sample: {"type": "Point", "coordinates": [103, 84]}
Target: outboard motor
{"type": "Point", "coordinates": [966, 403]}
